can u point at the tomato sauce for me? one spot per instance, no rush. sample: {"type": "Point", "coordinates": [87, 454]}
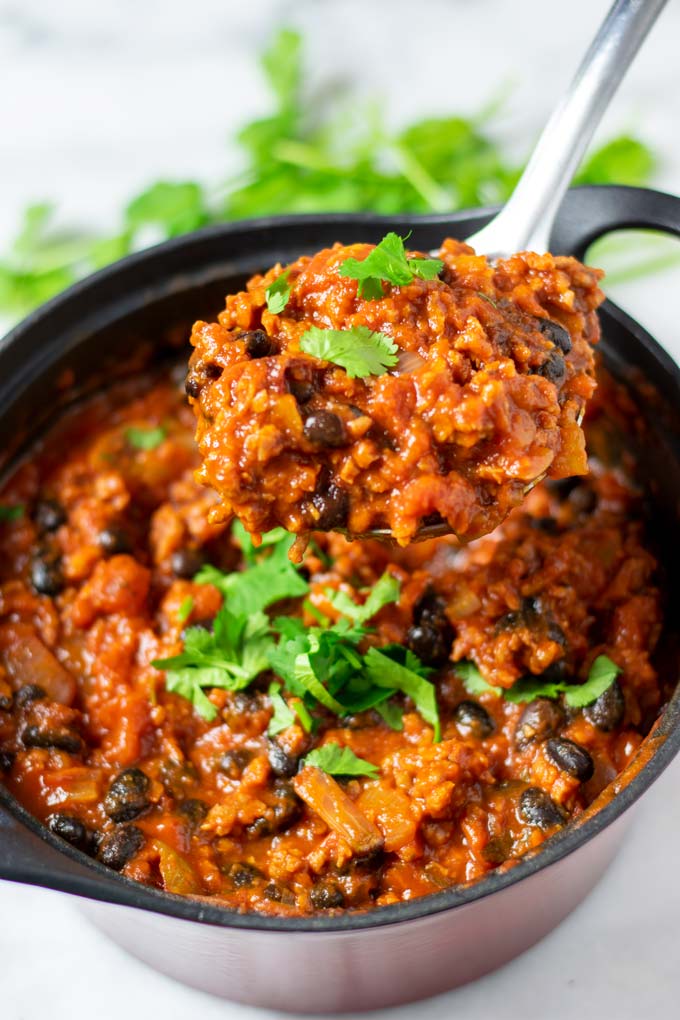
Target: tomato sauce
{"type": "Point", "coordinates": [97, 580]}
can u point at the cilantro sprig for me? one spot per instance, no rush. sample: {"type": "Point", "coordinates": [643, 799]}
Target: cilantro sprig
{"type": "Point", "coordinates": [145, 438]}
{"type": "Point", "coordinates": [602, 674]}
{"type": "Point", "coordinates": [340, 761]}
{"type": "Point", "coordinates": [388, 262]}
{"type": "Point", "coordinates": [360, 351]}
{"type": "Point", "coordinates": [277, 294]}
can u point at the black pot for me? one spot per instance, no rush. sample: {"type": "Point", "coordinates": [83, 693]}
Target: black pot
{"type": "Point", "coordinates": [392, 954]}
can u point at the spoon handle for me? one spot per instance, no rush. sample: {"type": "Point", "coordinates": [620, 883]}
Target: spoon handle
{"type": "Point", "coordinates": [525, 223]}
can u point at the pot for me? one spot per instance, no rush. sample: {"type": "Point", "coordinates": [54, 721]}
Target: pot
{"type": "Point", "coordinates": [136, 310]}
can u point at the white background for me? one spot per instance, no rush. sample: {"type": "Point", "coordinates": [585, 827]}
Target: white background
{"type": "Point", "coordinates": [96, 100]}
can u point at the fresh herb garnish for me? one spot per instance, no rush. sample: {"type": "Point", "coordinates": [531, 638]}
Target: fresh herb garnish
{"type": "Point", "coordinates": [270, 580]}
{"type": "Point", "coordinates": [340, 761]}
{"type": "Point", "coordinates": [473, 681]}
{"type": "Point", "coordinates": [392, 714]}
{"type": "Point", "coordinates": [277, 293]}
{"type": "Point", "coordinates": [11, 513]}
{"type": "Point", "coordinates": [145, 439]}
{"type": "Point", "coordinates": [283, 715]}
{"type": "Point", "coordinates": [385, 672]}
{"type": "Point", "coordinates": [601, 675]}
{"type": "Point", "coordinates": [388, 262]}
{"type": "Point", "coordinates": [384, 591]}
{"type": "Point", "coordinates": [185, 610]}
{"type": "Point", "coordinates": [359, 351]}
{"type": "Point", "coordinates": [230, 657]}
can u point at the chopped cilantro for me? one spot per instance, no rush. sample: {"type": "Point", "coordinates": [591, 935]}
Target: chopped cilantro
{"type": "Point", "coordinates": [145, 439]}
{"type": "Point", "coordinates": [340, 761]}
{"type": "Point", "coordinates": [283, 716]}
{"type": "Point", "coordinates": [278, 293]}
{"type": "Point", "coordinates": [473, 681]}
{"type": "Point", "coordinates": [385, 590]}
{"type": "Point", "coordinates": [388, 262]}
{"type": "Point", "coordinates": [602, 674]}
{"type": "Point", "coordinates": [185, 610]}
{"type": "Point", "coordinates": [359, 351]}
{"type": "Point", "coordinates": [250, 591]}
{"type": "Point", "coordinates": [252, 552]}
{"type": "Point", "coordinates": [385, 672]}
{"type": "Point", "coordinates": [233, 654]}
{"type": "Point", "coordinates": [11, 513]}
{"type": "Point", "coordinates": [392, 714]}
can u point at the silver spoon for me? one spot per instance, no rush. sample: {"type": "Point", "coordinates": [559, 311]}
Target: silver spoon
{"type": "Point", "coordinates": [525, 222]}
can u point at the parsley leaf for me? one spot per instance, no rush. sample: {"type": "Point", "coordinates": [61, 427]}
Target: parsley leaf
{"type": "Point", "coordinates": [230, 657]}
{"type": "Point", "coordinates": [145, 439]}
{"type": "Point", "coordinates": [473, 681]}
{"type": "Point", "coordinates": [359, 351]}
{"type": "Point", "coordinates": [388, 261]}
{"type": "Point", "coordinates": [385, 590]}
{"type": "Point", "coordinates": [11, 513]}
{"type": "Point", "coordinates": [283, 716]}
{"type": "Point", "coordinates": [602, 674]}
{"type": "Point", "coordinates": [250, 591]}
{"type": "Point", "coordinates": [277, 293]}
{"type": "Point", "coordinates": [385, 672]}
{"type": "Point", "coordinates": [340, 761]}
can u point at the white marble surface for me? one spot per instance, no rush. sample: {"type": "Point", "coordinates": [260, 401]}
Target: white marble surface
{"type": "Point", "coordinates": [96, 100]}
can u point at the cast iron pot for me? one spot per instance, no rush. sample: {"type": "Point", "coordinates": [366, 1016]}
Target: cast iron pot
{"type": "Point", "coordinates": [392, 954]}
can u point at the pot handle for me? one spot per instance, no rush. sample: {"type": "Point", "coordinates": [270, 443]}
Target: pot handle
{"type": "Point", "coordinates": [590, 212]}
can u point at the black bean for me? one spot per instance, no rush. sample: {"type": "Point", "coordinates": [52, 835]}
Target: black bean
{"type": "Point", "coordinates": [556, 634]}
{"type": "Point", "coordinates": [548, 525]}
{"type": "Point", "coordinates": [570, 758]}
{"type": "Point", "coordinates": [279, 815]}
{"type": "Point", "coordinates": [193, 386]}
{"type": "Point", "coordinates": [430, 608]}
{"type": "Point", "coordinates": [6, 760]}
{"type": "Point", "coordinates": [562, 487]}
{"type": "Point", "coordinates": [126, 797]}
{"type": "Point", "coordinates": [541, 719]}
{"type": "Point", "coordinates": [498, 849]}
{"type": "Point", "coordinates": [243, 874]}
{"type": "Point", "coordinates": [6, 702]}
{"type": "Point", "coordinates": [473, 720]}
{"type": "Point", "coordinates": [282, 763]}
{"type": "Point", "coordinates": [258, 344]}
{"type": "Point", "coordinates": [537, 808]}
{"type": "Point", "coordinates": [327, 896]}
{"type": "Point", "coordinates": [302, 390]}
{"type": "Point", "coordinates": [46, 576]}
{"type": "Point", "coordinates": [556, 332]}
{"type": "Point", "coordinates": [332, 506]}
{"type": "Point", "coordinates": [114, 540]}
{"type": "Point", "coordinates": [429, 642]}
{"type": "Point", "coordinates": [187, 562]}
{"type": "Point", "coordinates": [28, 693]}
{"type": "Point", "coordinates": [234, 762]}
{"type": "Point", "coordinates": [553, 368]}
{"type": "Point", "coordinates": [193, 809]}
{"type": "Point", "coordinates": [211, 370]}
{"type": "Point", "coordinates": [607, 711]}
{"type": "Point", "coordinates": [61, 738]}
{"type": "Point", "coordinates": [49, 515]}
{"type": "Point", "coordinates": [325, 429]}
{"type": "Point", "coordinates": [272, 892]}
{"type": "Point", "coordinates": [70, 829]}
{"type": "Point", "coordinates": [120, 846]}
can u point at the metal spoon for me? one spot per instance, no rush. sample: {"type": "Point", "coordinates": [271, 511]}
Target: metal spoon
{"type": "Point", "coordinates": [525, 222]}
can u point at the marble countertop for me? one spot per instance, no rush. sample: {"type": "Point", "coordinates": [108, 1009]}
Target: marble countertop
{"type": "Point", "coordinates": [98, 100]}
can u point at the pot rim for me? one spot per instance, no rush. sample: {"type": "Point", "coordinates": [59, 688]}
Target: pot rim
{"type": "Point", "coordinates": [94, 880]}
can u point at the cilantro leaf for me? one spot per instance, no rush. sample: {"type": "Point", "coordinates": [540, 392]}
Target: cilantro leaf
{"type": "Point", "coordinates": [473, 681]}
{"type": "Point", "coordinates": [185, 610]}
{"type": "Point", "coordinates": [388, 261]}
{"type": "Point", "coordinates": [173, 207]}
{"type": "Point", "coordinates": [250, 591]}
{"type": "Point", "coordinates": [278, 293]}
{"type": "Point", "coordinates": [283, 716]}
{"type": "Point", "coordinates": [530, 687]}
{"type": "Point", "coordinates": [385, 590]}
{"type": "Point", "coordinates": [252, 552]}
{"type": "Point", "coordinates": [145, 439]}
{"type": "Point", "coordinates": [602, 674]}
{"type": "Point", "coordinates": [385, 672]}
{"type": "Point", "coordinates": [392, 714]}
{"type": "Point", "coordinates": [340, 761]}
{"type": "Point", "coordinates": [359, 351]}
{"type": "Point", "coordinates": [11, 513]}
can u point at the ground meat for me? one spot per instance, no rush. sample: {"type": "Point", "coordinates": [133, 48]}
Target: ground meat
{"type": "Point", "coordinates": [495, 367]}
{"type": "Point", "coordinates": [90, 735]}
